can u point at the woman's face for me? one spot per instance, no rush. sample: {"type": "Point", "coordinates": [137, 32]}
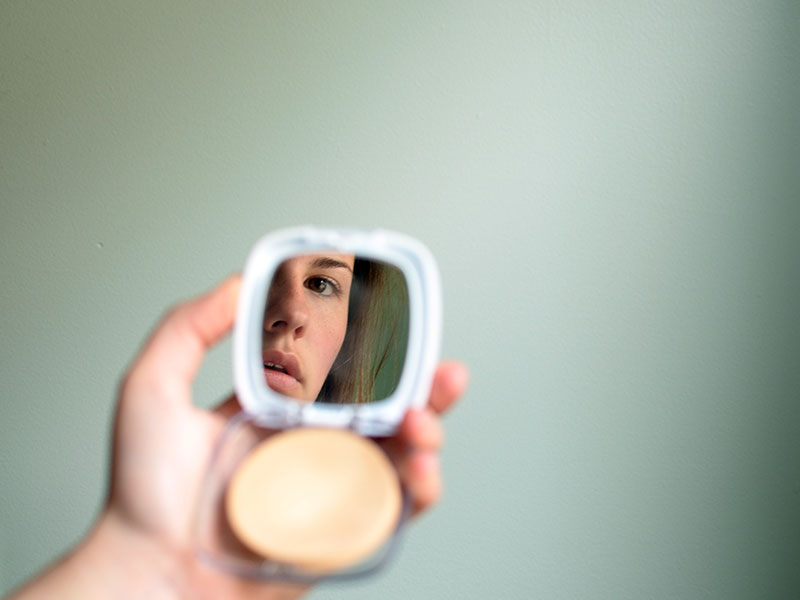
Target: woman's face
{"type": "Point", "coordinates": [305, 322]}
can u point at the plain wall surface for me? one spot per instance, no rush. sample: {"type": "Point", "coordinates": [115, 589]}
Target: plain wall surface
{"type": "Point", "coordinates": [612, 191]}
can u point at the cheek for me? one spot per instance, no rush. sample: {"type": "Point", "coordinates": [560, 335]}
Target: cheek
{"type": "Point", "coordinates": [333, 330]}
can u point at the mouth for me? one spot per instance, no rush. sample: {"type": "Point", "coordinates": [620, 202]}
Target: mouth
{"type": "Point", "coordinates": [274, 367]}
{"type": "Point", "coordinates": [282, 371]}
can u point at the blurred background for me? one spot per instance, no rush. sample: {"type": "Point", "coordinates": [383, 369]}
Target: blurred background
{"type": "Point", "coordinates": [612, 191]}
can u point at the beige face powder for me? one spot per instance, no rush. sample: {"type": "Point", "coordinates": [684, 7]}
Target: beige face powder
{"type": "Point", "coordinates": [320, 499]}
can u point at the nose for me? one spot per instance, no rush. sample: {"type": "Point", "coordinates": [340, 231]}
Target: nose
{"type": "Point", "coordinates": [286, 310]}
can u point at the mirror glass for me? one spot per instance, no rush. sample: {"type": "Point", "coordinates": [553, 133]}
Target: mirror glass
{"type": "Point", "coordinates": [335, 328]}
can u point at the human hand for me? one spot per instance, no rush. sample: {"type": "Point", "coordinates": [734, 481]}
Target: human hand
{"type": "Point", "coordinates": [141, 546]}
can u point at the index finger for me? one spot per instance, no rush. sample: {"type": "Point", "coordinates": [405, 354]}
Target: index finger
{"type": "Point", "coordinates": [449, 383]}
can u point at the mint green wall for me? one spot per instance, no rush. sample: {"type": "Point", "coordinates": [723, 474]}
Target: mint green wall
{"type": "Point", "coordinates": [613, 193]}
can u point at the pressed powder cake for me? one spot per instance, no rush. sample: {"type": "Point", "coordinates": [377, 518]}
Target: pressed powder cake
{"type": "Point", "coordinates": [320, 499]}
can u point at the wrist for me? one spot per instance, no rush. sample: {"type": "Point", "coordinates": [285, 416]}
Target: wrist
{"type": "Point", "coordinates": [117, 560]}
{"type": "Point", "coordinates": [140, 566]}
{"type": "Point", "coordinates": [113, 561]}
{"type": "Point", "coordinates": [120, 561]}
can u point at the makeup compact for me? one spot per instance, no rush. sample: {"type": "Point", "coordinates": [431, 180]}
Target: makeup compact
{"type": "Point", "coordinates": [337, 335]}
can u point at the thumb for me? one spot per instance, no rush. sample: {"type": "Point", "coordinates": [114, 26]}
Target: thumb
{"type": "Point", "coordinates": [174, 351]}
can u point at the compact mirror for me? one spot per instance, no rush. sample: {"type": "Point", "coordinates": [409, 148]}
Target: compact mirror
{"type": "Point", "coordinates": [337, 335]}
{"type": "Point", "coordinates": [335, 328]}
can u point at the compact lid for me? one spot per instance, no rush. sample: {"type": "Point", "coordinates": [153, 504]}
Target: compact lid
{"type": "Point", "coordinates": [286, 295]}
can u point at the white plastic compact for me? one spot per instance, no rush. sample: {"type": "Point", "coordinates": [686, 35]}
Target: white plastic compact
{"type": "Point", "coordinates": [337, 335]}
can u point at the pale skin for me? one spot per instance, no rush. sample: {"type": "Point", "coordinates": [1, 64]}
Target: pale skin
{"type": "Point", "coordinates": [140, 545]}
{"type": "Point", "coordinates": [305, 322]}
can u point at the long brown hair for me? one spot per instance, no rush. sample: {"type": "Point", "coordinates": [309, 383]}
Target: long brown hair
{"type": "Point", "coordinates": [370, 362]}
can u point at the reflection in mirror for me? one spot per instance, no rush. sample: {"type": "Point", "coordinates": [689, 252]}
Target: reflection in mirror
{"type": "Point", "coordinates": [335, 328]}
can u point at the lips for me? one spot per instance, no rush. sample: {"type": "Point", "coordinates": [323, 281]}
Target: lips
{"type": "Point", "coordinates": [282, 371]}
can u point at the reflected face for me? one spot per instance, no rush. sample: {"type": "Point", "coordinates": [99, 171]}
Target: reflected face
{"type": "Point", "coordinates": [305, 322]}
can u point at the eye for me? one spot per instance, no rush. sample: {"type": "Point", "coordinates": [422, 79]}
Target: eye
{"type": "Point", "coordinates": [322, 286]}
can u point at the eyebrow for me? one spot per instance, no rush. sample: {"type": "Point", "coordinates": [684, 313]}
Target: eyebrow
{"type": "Point", "coordinates": [326, 262]}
